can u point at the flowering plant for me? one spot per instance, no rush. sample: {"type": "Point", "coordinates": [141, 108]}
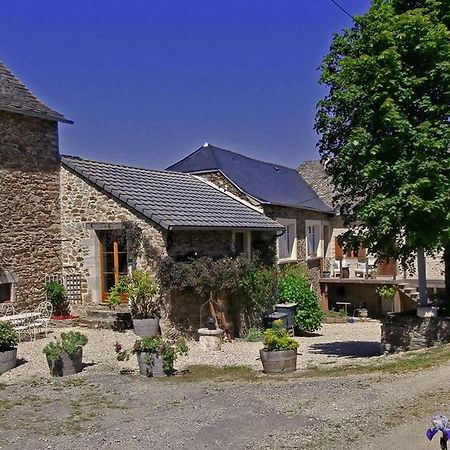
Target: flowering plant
{"type": "Point", "coordinates": [442, 424]}
{"type": "Point", "coordinates": [167, 349]}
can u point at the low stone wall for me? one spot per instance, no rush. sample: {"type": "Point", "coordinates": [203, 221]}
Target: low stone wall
{"type": "Point", "coordinates": [405, 331]}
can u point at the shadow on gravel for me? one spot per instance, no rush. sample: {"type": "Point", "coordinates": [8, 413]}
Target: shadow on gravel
{"type": "Point", "coordinates": [21, 361]}
{"type": "Point", "coordinates": [351, 349]}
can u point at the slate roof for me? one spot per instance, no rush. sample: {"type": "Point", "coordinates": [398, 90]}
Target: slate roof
{"type": "Point", "coordinates": [15, 97]}
{"type": "Point", "coordinates": [268, 183]}
{"type": "Point", "coordinates": [171, 199]}
{"type": "Point", "coordinates": [314, 173]}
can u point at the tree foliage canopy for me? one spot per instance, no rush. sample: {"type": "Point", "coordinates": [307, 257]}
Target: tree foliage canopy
{"type": "Point", "coordinates": [385, 125]}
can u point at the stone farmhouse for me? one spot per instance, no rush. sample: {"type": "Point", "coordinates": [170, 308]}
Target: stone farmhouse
{"type": "Point", "coordinates": [88, 222]}
{"type": "Point", "coordinates": [277, 191]}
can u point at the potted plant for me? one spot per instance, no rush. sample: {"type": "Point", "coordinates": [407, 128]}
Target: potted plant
{"type": "Point", "coordinates": [387, 294]}
{"type": "Point", "coordinates": [279, 354]}
{"type": "Point", "coordinates": [8, 347]}
{"type": "Point", "coordinates": [142, 292]}
{"type": "Point", "coordinates": [65, 355]}
{"type": "Point", "coordinates": [156, 355]}
{"type": "Point", "coordinates": [57, 296]}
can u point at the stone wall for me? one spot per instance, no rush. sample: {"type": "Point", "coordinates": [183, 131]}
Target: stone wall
{"type": "Point", "coordinates": [30, 227]}
{"type": "Point", "coordinates": [202, 243]}
{"type": "Point", "coordinates": [83, 209]}
{"type": "Point", "coordinates": [403, 332]}
{"type": "Point", "coordinates": [357, 294]}
{"type": "Point", "coordinates": [226, 185]}
{"type": "Point", "coordinates": [311, 265]}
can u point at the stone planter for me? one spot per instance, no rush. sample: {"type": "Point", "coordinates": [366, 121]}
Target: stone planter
{"type": "Point", "coordinates": [210, 339]}
{"type": "Point", "coordinates": [146, 327]}
{"type": "Point", "coordinates": [8, 360]}
{"type": "Point", "coordinates": [427, 311]}
{"type": "Point", "coordinates": [150, 364]}
{"type": "Point", "coordinates": [362, 312]}
{"type": "Point", "coordinates": [279, 362]}
{"type": "Point", "coordinates": [387, 305]}
{"type": "Point", "coordinates": [66, 364]}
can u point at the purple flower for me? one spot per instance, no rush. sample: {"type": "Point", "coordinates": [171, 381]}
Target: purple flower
{"type": "Point", "coordinates": [441, 423]}
{"type": "Point", "coordinates": [431, 432]}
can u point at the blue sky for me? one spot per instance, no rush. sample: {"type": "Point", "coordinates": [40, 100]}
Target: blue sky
{"type": "Point", "coordinates": [149, 81]}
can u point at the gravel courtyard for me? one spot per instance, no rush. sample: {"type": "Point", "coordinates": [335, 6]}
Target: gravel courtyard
{"type": "Point", "coordinates": [334, 344]}
{"type": "Point", "coordinates": [101, 408]}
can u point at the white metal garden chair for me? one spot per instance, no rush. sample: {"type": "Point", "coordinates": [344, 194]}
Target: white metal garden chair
{"type": "Point", "coordinates": [45, 309]}
{"type": "Point", "coordinates": [24, 326]}
{"type": "Point", "coordinates": [336, 268]}
{"type": "Point", "coordinates": [6, 309]}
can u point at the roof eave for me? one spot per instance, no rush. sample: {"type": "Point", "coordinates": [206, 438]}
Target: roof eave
{"type": "Point", "coordinates": [51, 117]}
{"type": "Point", "coordinates": [218, 228]}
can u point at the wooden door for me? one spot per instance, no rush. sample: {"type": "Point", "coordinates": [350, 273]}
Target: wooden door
{"type": "Point", "coordinates": [113, 262]}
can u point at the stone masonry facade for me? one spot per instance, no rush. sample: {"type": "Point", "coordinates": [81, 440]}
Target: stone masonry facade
{"type": "Point", "coordinates": [311, 265]}
{"type": "Point", "coordinates": [86, 211]}
{"type": "Point", "coordinates": [30, 226]}
{"type": "Point", "coordinates": [82, 207]}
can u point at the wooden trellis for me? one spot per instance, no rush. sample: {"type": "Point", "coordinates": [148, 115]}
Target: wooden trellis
{"type": "Point", "coordinates": [72, 284]}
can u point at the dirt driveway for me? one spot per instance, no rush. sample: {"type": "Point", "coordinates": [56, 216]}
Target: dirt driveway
{"type": "Point", "coordinates": [109, 410]}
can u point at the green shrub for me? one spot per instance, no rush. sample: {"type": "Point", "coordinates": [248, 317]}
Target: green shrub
{"type": "Point", "coordinates": [294, 288]}
{"type": "Point", "coordinates": [8, 337]}
{"type": "Point", "coordinates": [141, 289]}
{"type": "Point", "coordinates": [56, 294]}
{"type": "Point", "coordinates": [277, 339]}
{"type": "Point", "coordinates": [255, 334]}
{"type": "Point", "coordinates": [69, 342]}
{"type": "Point", "coordinates": [258, 286]}
{"type": "Point", "coordinates": [386, 291]}
{"type": "Point", "coordinates": [203, 276]}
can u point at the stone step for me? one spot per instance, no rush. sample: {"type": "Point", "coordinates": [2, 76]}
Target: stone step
{"type": "Point", "coordinates": [110, 324]}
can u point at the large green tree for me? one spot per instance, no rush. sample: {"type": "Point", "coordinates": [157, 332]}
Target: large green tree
{"type": "Point", "coordinates": [385, 127]}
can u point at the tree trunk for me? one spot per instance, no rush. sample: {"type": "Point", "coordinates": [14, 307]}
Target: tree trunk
{"type": "Point", "coordinates": [446, 258]}
{"type": "Point", "coordinates": [422, 275]}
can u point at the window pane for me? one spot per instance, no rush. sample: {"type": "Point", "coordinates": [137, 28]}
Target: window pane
{"type": "Point", "coordinates": [283, 244]}
{"type": "Point", "coordinates": [123, 265]}
{"type": "Point", "coordinates": [108, 281]}
{"type": "Point", "coordinates": [108, 262]}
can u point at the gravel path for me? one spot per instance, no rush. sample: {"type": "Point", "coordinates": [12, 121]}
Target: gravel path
{"type": "Point", "coordinates": [100, 408]}
{"type": "Point", "coordinates": [335, 344]}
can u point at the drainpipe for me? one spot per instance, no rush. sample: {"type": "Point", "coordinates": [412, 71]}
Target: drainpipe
{"type": "Point", "coordinates": [422, 275]}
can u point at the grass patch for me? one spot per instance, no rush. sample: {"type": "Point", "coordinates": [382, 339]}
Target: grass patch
{"type": "Point", "coordinates": [203, 372]}
{"type": "Point", "coordinates": [404, 363]}
{"type": "Point", "coordinates": [408, 362]}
